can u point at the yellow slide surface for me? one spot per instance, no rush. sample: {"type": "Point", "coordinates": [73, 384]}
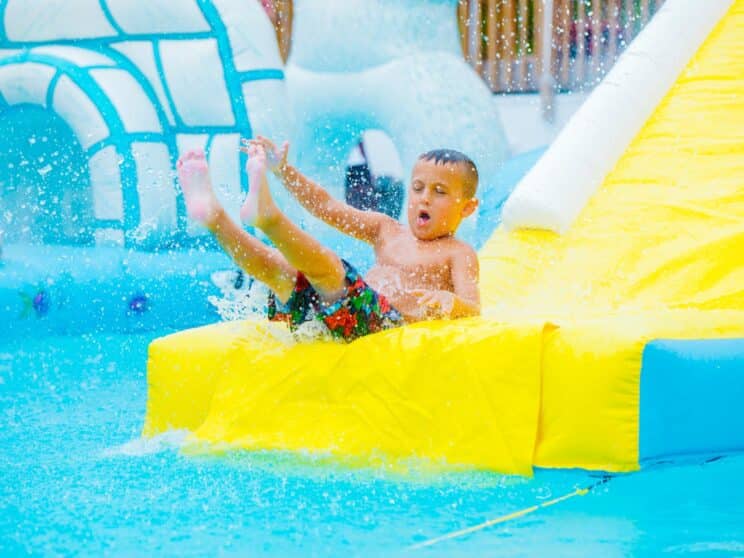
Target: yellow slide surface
{"type": "Point", "coordinates": [657, 253]}
{"type": "Point", "coordinates": [550, 375]}
{"type": "Point", "coordinates": [464, 392]}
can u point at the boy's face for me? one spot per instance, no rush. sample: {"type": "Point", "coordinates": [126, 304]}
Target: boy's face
{"type": "Point", "coordinates": [436, 200]}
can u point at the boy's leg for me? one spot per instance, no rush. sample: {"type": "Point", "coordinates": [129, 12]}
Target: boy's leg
{"type": "Point", "coordinates": [322, 267]}
{"type": "Point", "coordinates": [250, 254]}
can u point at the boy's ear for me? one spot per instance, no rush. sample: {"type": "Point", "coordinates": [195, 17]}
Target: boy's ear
{"type": "Point", "coordinates": [470, 206]}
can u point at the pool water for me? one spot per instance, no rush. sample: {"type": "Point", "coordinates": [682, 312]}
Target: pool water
{"type": "Point", "coordinates": [76, 479]}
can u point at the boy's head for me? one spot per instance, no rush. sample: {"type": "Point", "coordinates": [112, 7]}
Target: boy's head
{"type": "Point", "coordinates": [442, 193]}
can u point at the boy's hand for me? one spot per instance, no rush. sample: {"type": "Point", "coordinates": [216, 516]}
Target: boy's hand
{"type": "Point", "coordinates": [276, 159]}
{"type": "Point", "coordinates": [435, 304]}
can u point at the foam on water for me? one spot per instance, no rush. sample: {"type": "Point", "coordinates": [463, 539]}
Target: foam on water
{"type": "Point", "coordinates": [167, 441]}
{"type": "Point", "coordinates": [243, 298]}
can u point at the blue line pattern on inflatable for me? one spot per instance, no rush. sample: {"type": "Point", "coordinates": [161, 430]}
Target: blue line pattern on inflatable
{"type": "Point", "coordinates": [167, 138]}
{"type": "Point", "coordinates": [3, 34]}
{"type": "Point", "coordinates": [256, 75]}
{"type": "Point", "coordinates": [52, 87]}
{"type": "Point", "coordinates": [231, 78]}
{"type": "Point", "coordinates": [103, 30]}
{"type": "Point", "coordinates": [110, 17]}
{"type": "Point", "coordinates": [161, 73]}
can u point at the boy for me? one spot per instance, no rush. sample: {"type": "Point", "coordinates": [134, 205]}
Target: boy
{"type": "Point", "coordinates": [421, 270]}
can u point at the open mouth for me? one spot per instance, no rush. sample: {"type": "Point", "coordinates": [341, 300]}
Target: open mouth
{"type": "Point", "coordinates": [423, 218]}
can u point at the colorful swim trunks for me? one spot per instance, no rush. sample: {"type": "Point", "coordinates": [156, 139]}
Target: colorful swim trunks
{"type": "Point", "coordinates": [359, 312]}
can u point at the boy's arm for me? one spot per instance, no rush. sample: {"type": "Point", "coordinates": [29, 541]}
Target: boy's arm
{"type": "Point", "coordinates": [363, 225]}
{"type": "Point", "coordinates": [464, 302]}
{"type": "Point", "coordinates": [466, 277]}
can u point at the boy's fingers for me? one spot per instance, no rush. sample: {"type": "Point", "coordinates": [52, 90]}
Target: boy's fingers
{"type": "Point", "coordinates": [248, 142]}
{"type": "Point", "coordinates": [428, 300]}
{"type": "Point", "coordinates": [249, 149]}
{"type": "Point", "coordinates": [266, 141]}
{"type": "Point", "coordinates": [253, 141]}
{"type": "Point", "coordinates": [266, 144]}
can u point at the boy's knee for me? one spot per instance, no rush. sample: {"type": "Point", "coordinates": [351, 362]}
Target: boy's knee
{"type": "Point", "coordinates": [330, 284]}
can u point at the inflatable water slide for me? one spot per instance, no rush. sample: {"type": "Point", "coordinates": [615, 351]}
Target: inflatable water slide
{"type": "Point", "coordinates": [613, 294]}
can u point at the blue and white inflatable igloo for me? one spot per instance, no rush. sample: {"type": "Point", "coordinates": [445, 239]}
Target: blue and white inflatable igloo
{"type": "Point", "coordinates": [98, 97]}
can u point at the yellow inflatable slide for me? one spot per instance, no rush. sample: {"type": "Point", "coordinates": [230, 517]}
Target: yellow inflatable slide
{"type": "Point", "coordinates": [550, 375]}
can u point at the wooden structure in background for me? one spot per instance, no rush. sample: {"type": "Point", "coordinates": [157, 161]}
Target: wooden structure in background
{"type": "Point", "coordinates": [503, 39]}
{"type": "Point", "coordinates": [283, 26]}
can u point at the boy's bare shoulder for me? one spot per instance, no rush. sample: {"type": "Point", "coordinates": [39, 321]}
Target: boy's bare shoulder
{"type": "Point", "coordinates": [391, 224]}
{"type": "Point", "coordinates": [460, 247]}
{"type": "Point", "coordinates": [390, 227]}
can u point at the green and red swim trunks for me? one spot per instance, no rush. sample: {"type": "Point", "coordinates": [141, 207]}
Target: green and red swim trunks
{"type": "Point", "coordinates": [359, 312]}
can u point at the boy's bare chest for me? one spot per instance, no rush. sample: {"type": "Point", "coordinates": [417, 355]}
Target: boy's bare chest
{"type": "Point", "coordinates": [414, 258]}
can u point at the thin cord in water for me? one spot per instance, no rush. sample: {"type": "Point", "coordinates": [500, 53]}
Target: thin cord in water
{"type": "Point", "coordinates": [508, 517]}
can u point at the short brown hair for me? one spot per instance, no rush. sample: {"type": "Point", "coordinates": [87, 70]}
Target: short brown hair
{"type": "Point", "coordinates": [454, 157]}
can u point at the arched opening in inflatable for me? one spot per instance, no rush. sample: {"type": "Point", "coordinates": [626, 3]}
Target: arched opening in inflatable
{"type": "Point", "coordinates": [45, 194]}
{"type": "Point", "coordinates": [374, 175]}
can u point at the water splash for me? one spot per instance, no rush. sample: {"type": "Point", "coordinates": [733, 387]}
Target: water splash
{"type": "Point", "coordinates": [244, 298]}
{"type": "Point", "coordinates": [168, 441]}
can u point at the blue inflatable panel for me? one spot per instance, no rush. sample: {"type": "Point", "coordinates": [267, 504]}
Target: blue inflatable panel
{"type": "Point", "coordinates": [71, 290]}
{"type": "Point", "coordinates": [692, 398]}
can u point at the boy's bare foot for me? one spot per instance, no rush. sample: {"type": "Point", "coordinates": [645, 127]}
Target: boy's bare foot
{"type": "Point", "coordinates": [276, 159]}
{"type": "Point", "coordinates": [193, 176]}
{"type": "Point", "coordinates": [258, 209]}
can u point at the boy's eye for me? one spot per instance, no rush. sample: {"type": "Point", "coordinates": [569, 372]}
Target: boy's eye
{"type": "Point", "coordinates": [441, 191]}
{"type": "Point", "coordinates": [418, 187]}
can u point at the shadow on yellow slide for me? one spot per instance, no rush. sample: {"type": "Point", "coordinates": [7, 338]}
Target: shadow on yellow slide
{"type": "Point", "coordinates": [550, 375]}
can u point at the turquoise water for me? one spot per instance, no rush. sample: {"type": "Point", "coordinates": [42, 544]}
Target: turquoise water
{"type": "Point", "coordinates": [75, 479]}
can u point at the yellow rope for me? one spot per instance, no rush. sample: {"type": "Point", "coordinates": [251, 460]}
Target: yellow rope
{"type": "Point", "coordinates": [507, 517]}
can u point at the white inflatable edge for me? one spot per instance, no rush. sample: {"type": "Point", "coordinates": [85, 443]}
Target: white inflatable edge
{"type": "Point", "coordinates": [558, 187]}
